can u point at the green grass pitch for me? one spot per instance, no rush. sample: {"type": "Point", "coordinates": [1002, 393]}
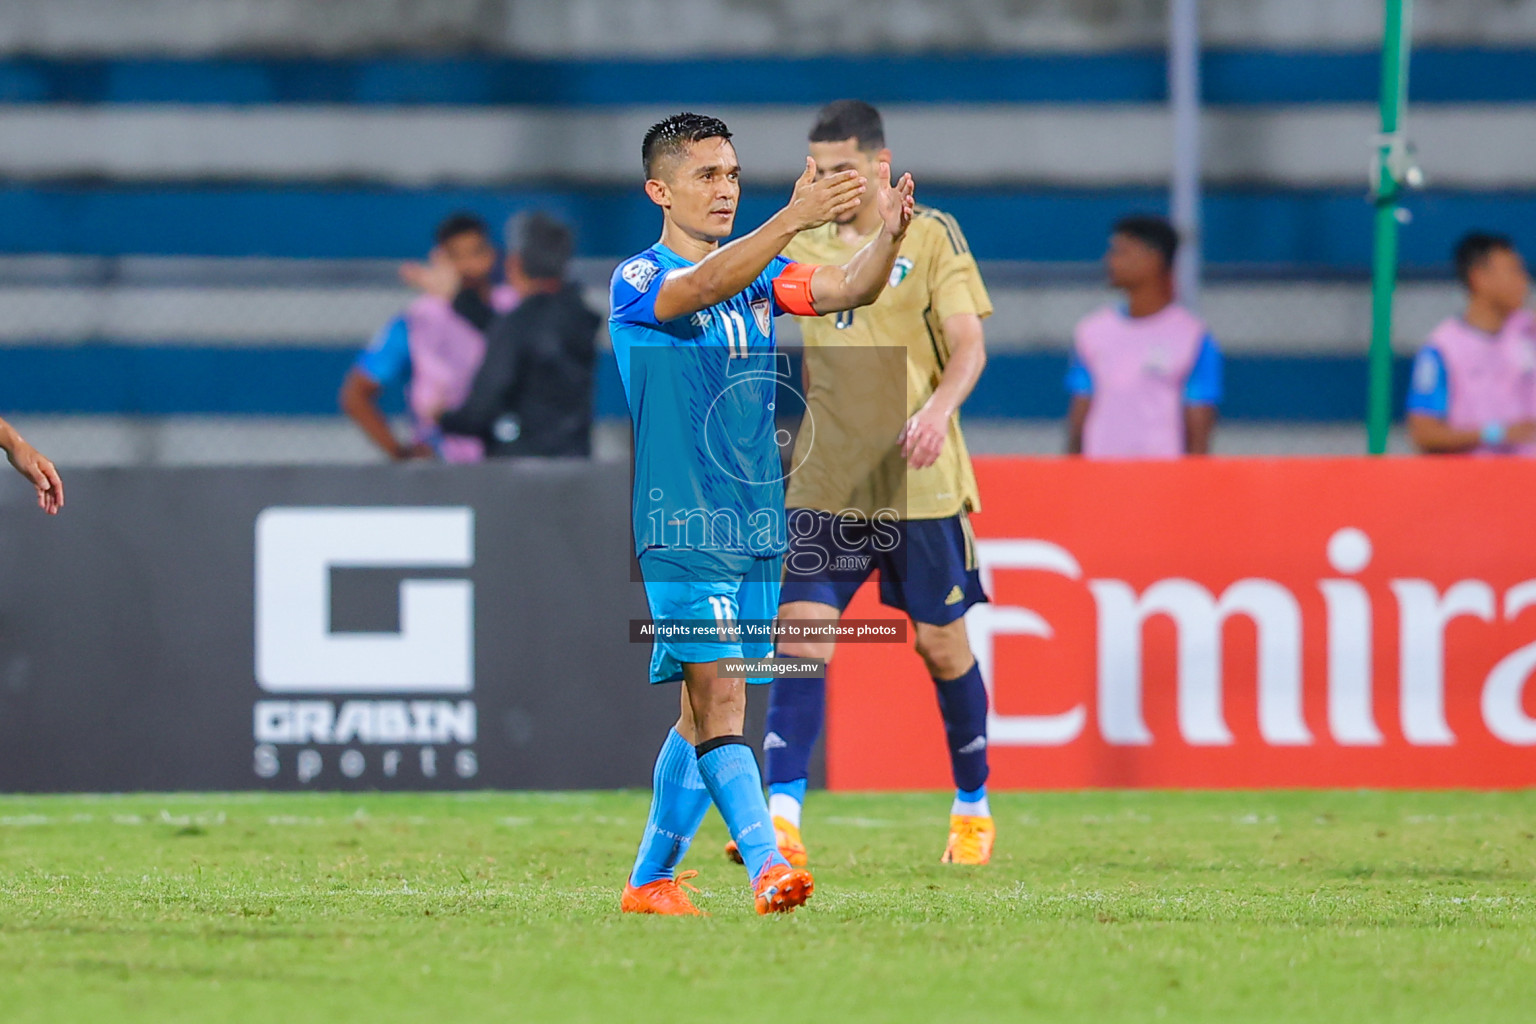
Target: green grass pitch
{"type": "Point", "coordinates": [1099, 907]}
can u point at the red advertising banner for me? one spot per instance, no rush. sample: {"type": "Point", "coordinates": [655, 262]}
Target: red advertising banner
{"type": "Point", "coordinates": [1225, 623]}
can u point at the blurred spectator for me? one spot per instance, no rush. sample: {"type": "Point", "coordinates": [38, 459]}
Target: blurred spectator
{"type": "Point", "coordinates": [1474, 382]}
{"type": "Point", "coordinates": [533, 393]}
{"type": "Point", "coordinates": [1145, 377]}
{"type": "Point", "coordinates": [433, 349]}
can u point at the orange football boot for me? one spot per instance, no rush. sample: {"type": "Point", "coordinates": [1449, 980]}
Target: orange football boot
{"type": "Point", "coordinates": [663, 896]}
{"type": "Point", "coordinates": [781, 888]}
{"type": "Point", "coordinates": [786, 837]}
{"type": "Point", "coordinates": [970, 840]}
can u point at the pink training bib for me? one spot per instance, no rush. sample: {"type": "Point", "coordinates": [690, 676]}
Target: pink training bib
{"type": "Point", "coordinates": [1489, 378]}
{"type": "Point", "coordinates": [1139, 367]}
{"type": "Point", "coordinates": [446, 350]}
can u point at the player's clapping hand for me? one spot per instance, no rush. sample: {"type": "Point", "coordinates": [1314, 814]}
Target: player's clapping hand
{"type": "Point", "coordinates": [896, 201]}
{"type": "Point", "coordinates": [817, 201]}
{"type": "Point", "coordinates": [435, 277]}
{"type": "Point", "coordinates": [37, 468]}
{"type": "Point", "coordinates": [922, 439]}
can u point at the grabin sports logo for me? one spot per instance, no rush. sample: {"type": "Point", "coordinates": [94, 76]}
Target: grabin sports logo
{"type": "Point", "coordinates": [431, 655]}
{"type": "Point", "coordinates": [296, 652]}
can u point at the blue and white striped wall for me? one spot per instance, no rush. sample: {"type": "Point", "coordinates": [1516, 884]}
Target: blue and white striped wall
{"type": "Point", "coordinates": [1035, 154]}
{"type": "Point", "coordinates": [186, 236]}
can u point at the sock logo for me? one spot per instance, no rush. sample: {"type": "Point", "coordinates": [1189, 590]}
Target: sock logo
{"type": "Point", "coordinates": [976, 746]}
{"type": "Point", "coordinates": [773, 741]}
{"type": "Point", "coordinates": [682, 840]}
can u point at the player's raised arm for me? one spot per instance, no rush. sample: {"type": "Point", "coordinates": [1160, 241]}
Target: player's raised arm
{"type": "Point", "coordinates": [33, 465]}
{"type": "Point", "coordinates": [861, 280]}
{"type": "Point", "coordinates": [729, 269]}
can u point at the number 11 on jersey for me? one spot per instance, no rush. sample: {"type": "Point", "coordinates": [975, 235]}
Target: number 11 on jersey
{"type": "Point", "coordinates": [735, 333]}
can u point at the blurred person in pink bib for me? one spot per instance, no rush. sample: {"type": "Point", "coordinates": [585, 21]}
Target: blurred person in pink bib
{"type": "Point", "coordinates": [434, 347]}
{"type": "Point", "coordinates": [1145, 376]}
{"type": "Point", "coordinates": [1473, 387]}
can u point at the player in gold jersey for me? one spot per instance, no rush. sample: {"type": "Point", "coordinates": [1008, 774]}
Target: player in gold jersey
{"type": "Point", "coordinates": [881, 480]}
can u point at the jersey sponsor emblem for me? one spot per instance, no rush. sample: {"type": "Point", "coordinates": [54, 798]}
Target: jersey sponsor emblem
{"type": "Point", "coordinates": [900, 270]}
{"type": "Point", "coordinates": [955, 595]}
{"type": "Point", "coordinates": [639, 274]}
{"type": "Point", "coordinates": [762, 313]}
{"type": "Point", "coordinates": [700, 319]}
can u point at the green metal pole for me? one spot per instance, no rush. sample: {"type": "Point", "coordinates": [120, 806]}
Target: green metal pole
{"type": "Point", "coordinates": [1391, 167]}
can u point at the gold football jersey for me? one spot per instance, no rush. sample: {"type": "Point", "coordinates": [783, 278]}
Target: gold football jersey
{"type": "Point", "coordinates": [871, 368]}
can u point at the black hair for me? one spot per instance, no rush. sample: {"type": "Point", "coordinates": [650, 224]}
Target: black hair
{"type": "Point", "coordinates": [461, 223]}
{"type": "Point", "coordinates": [1153, 231]}
{"type": "Point", "coordinates": [849, 119]}
{"type": "Point", "coordinates": [542, 242]}
{"type": "Point", "coordinates": [671, 135]}
{"type": "Point", "coordinates": [1474, 248]}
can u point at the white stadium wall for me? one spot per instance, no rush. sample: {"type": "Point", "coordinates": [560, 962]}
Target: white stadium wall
{"type": "Point", "coordinates": [670, 27]}
{"type": "Point", "coordinates": [1462, 145]}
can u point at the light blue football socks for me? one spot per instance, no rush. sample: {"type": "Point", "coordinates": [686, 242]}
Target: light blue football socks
{"type": "Point", "coordinates": [679, 802]}
{"type": "Point", "coordinates": [735, 785]}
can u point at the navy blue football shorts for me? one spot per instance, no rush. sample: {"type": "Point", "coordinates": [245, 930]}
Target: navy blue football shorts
{"type": "Point", "coordinates": [927, 567]}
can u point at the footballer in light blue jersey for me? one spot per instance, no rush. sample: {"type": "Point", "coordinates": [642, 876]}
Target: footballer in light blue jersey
{"type": "Point", "coordinates": [692, 328]}
{"type": "Point", "coordinates": [705, 386]}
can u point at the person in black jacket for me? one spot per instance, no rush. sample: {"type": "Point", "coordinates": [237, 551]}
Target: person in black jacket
{"type": "Point", "coordinates": [533, 393]}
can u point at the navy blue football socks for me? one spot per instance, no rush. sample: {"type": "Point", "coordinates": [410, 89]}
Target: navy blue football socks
{"type": "Point", "coordinates": [963, 703]}
{"type": "Point", "coordinates": [796, 709]}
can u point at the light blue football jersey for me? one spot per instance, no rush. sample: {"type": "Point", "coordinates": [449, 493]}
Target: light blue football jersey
{"type": "Point", "coordinates": [701, 391]}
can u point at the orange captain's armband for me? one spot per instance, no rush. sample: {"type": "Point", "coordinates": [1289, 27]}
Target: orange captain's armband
{"type": "Point", "coordinates": [792, 289]}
